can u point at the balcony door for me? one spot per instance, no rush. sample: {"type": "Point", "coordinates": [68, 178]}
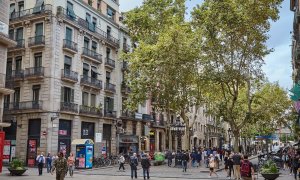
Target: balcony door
{"type": "Point", "coordinates": [85, 71]}
{"type": "Point", "coordinates": [16, 98]}
{"type": "Point", "coordinates": [9, 68]}
{"type": "Point", "coordinates": [69, 34]}
{"type": "Point", "coordinates": [19, 37]}
{"type": "Point", "coordinates": [67, 65]}
{"type": "Point", "coordinates": [37, 63]}
{"type": "Point", "coordinates": [109, 105]}
{"type": "Point", "coordinates": [39, 31]}
{"type": "Point", "coordinates": [35, 96]}
{"type": "Point", "coordinates": [67, 95]}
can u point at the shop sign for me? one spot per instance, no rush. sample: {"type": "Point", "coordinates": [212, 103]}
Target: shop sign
{"type": "Point", "coordinates": [98, 137]}
{"type": "Point", "coordinates": [128, 140]}
{"type": "Point", "coordinates": [151, 133]}
{"type": "Point", "coordinates": [6, 151]}
{"type": "Point", "coordinates": [138, 116]}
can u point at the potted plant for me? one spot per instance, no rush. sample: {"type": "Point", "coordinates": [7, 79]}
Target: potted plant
{"type": "Point", "coordinates": [16, 167]}
{"type": "Point", "coordinates": [270, 171]}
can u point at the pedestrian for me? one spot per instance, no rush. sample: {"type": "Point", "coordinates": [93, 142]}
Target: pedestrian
{"type": "Point", "coordinates": [193, 157]}
{"type": "Point", "coordinates": [170, 158]}
{"type": "Point", "coordinates": [71, 164]}
{"type": "Point", "coordinates": [133, 165]}
{"type": "Point", "coordinates": [198, 158]}
{"type": "Point", "coordinates": [212, 165]}
{"type": "Point", "coordinates": [40, 161]}
{"type": "Point", "coordinates": [226, 159]}
{"type": "Point", "coordinates": [285, 159]}
{"type": "Point", "coordinates": [49, 162]}
{"type": "Point", "coordinates": [121, 161]}
{"type": "Point", "coordinates": [295, 165]}
{"type": "Point", "coordinates": [237, 165]}
{"type": "Point", "coordinates": [185, 159]}
{"type": "Point", "coordinates": [230, 166]}
{"type": "Point", "coordinates": [60, 165]}
{"type": "Point", "coordinates": [247, 170]}
{"type": "Point", "coordinates": [146, 166]}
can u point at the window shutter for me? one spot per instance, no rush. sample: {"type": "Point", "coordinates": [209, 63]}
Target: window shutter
{"type": "Point", "coordinates": [62, 94]}
{"type": "Point", "coordinates": [72, 95]}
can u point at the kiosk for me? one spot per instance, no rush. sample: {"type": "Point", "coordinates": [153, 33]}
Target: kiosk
{"type": "Point", "coordinates": [84, 153]}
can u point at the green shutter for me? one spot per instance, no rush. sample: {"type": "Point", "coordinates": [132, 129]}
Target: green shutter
{"type": "Point", "coordinates": [69, 34]}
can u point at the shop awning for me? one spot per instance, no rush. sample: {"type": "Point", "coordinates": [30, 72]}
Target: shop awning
{"type": "Point", "coordinates": [82, 141]}
{"type": "Point", "coordinates": [5, 124]}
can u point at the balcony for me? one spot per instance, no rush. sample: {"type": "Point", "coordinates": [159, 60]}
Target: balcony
{"type": "Point", "coordinates": [15, 75]}
{"type": "Point", "coordinates": [20, 45]}
{"type": "Point", "coordinates": [33, 12]}
{"type": "Point", "coordinates": [93, 111]}
{"type": "Point", "coordinates": [127, 115]}
{"type": "Point", "coordinates": [72, 18]}
{"type": "Point", "coordinates": [68, 75]}
{"type": "Point", "coordinates": [26, 105]}
{"type": "Point", "coordinates": [125, 89]}
{"type": "Point", "coordinates": [159, 124]}
{"type": "Point", "coordinates": [3, 86]}
{"type": "Point", "coordinates": [126, 47]}
{"type": "Point", "coordinates": [110, 114]}
{"type": "Point", "coordinates": [110, 88]}
{"type": "Point", "coordinates": [110, 63]}
{"type": "Point", "coordinates": [147, 117]}
{"type": "Point", "coordinates": [36, 42]}
{"type": "Point", "coordinates": [69, 107]}
{"type": "Point", "coordinates": [70, 46]}
{"type": "Point", "coordinates": [91, 82]}
{"type": "Point", "coordinates": [34, 73]}
{"type": "Point", "coordinates": [91, 55]}
{"type": "Point", "coordinates": [124, 66]}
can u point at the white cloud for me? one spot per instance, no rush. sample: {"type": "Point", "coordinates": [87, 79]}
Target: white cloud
{"type": "Point", "coordinates": [126, 5]}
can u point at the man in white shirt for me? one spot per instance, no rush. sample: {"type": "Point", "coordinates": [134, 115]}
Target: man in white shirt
{"type": "Point", "coordinates": [40, 161]}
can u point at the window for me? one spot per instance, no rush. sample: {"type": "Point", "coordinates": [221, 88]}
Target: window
{"type": "Point", "coordinates": [99, 5]}
{"type": "Point", "coordinates": [93, 100]}
{"type": "Point", "coordinates": [38, 60]}
{"type": "Point", "coordinates": [143, 129]}
{"type": "Point", "coordinates": [94, 22]}
{"type": "Point", "coordinates": [12, 9]}
{"type": "Point", "coordinates": [86, 69]}
{"type": "Point", "coordinates": [67, 64]}
{"type": "Point", "coordinates": [107, 76]}
{"type": "Point", "coordinates": [21, 5]}
{"type": "Point", "coordinates": [87, 130]}
{"type": "Point", "coordinates": [94, 46]}
{"type": "Point", "coordinates": [19, 37]}
{"type": "Point", "coordinates": [88, 19]}
{"type": "Point", "coordinates": [109, 104]}
{"type": "Point", "coordinates": [70, 10]}
{"type": "Point", "coordinates": [17, 95]}
{"type": "Point", "coordinates": [9, 67]}
{"type": "Point", "coordinates": [111, 13]}
{"type": "Point", "coordinates": [107, 52]}
{"type": "Point", "coordinates": [108, 31]}
{"type": "Point", "coordinates": [67, 95]}
{"type": "Point", "coordinates": [69, 34]}
{"type": "Point", "coordinates": [39, 29]}
{"type": "Point", "coordinates": [94, 73]}
{"type": "Point", "coordinates": [11, 33]}
{"type": "Point", "coordinates": [86, 43]}
{"type": "Point", "coordinates": [134, 128]}
{"type": "Point", "coordinates": [36, 93]}
{"type": "Point", "coordinates": [18, 63]}
{"type": "Point", "coordinates": [6, 101]}
{"type": "Point", "coordinates": [85, 98]}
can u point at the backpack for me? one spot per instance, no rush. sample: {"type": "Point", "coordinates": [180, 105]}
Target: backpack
{"type": "Point", "coordinates": [132, 162]}
{"type": "Point", "coordinates": [41, 159]}
{"type": "Point", "coordinates": [246, 169]}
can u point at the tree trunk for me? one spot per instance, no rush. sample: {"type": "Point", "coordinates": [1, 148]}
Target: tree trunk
{"type": "Point", "coordinates": [236, 142]}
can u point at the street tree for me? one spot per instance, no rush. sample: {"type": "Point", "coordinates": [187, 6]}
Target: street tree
{"type": "Point", "coordinates": [234, 34]}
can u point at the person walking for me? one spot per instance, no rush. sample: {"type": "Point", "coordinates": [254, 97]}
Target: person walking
{"type": "Point", "coordinates": [247, 170]}
{"type": "Point", "coordinates": [133, 165]}
{"type": "Point", "coordinates": [237, 165]}
{"type": "Point", "coordinates": [71, 164]}
{"type": "Point", "coordinates": [146, 166]}
{"type": "Point", "coordinates": [49, 162]}
{"type": "Point", "coordinates": [60, 165]}
{"type": "Point", "coordinates": [185, 159]}
{"type": "Point", "coordinates": [40, 161]}
{"type": "Point", "coordinates": [226, 159]}
{"type": "Point", "coordinates": [212, 165]}
{"type": "Point", "coordinates": [295, 165]}
{"type": "Point", "coordinates": [198, 158]}
{"type": "Point", "coordinates": [121, 161]}
{"type": "Point", "coordinates": [285, 159]}
{"type": "Point", "coordinates": [230, 166]}
{"type": "Point", "coordinates": [170, 158]}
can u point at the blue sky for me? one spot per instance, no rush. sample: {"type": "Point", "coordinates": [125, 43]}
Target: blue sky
{"type": "Point", "coordinates": [278, 64]}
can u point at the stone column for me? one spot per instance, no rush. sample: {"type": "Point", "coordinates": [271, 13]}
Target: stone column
{"type": "Point", "coordinates": [139, 133]}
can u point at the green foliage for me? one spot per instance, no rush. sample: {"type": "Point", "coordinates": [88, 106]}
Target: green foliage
{"type": "Point", "coordinates": [269, 168]}
{"type": "Point", "coordinates": [17, 164]}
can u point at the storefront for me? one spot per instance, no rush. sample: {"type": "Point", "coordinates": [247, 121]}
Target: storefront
{"type": "Point", "coordinates": [128, 143]}
{"type": "Point", "coordinates": [64, 136]}
{"type": "Point", "coordinates": [33, 143]}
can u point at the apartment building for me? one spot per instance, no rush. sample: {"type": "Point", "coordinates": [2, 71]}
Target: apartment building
{"type": "Point", "coordinates": [294, 6]}
{"type": "Point", "coordinates": [5, 42]}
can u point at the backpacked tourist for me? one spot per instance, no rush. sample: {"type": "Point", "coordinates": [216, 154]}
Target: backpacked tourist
{"type": "Point", "coordinates": [40, 161]}
{"type": "Point", "coordinates": [146, 166]}
{"type": "Point", "coordinates": [212, 165]}
{"type": "Point", "coordinates": [71, 164]}
{"type": "Point", "coordinates": [121, 161]}
{"type": "Point", "coordinates": [247, 169]}
{"type": "Point", "coordinates": [133, 165]}
{"type": "Point", "coordinates": [60, 165]}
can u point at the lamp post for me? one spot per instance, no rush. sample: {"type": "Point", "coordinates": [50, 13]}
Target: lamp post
{"type": "Point", "coordinates": [177, 130]}
{"type": "Point", "coordinates": [229, 136]}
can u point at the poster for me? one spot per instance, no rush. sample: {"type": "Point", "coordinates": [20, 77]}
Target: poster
{"type": "Point", "coordinates": [32, 152]}
{"type": "Point", "coordinates": [81, 162]}
{"type": "Point", "coordinates": [98, 137]}
{"type": "Point", "coordinates": [6, 151]}
{"type": "Point", "coordinates": [12, 152]}
{"type": "Point", "coordinates": [89, 156]}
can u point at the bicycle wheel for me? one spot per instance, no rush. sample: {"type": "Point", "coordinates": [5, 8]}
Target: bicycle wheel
{"type": "Point", "coordinates": [107, 162]}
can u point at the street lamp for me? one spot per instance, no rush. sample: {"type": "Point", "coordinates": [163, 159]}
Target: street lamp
{"type": "Point", "coordinates": [177, 130]}
{"type": "Point", "coordinates": [229, 136]}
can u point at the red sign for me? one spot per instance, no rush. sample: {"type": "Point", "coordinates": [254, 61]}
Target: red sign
{"type": "Point", "coordinates": [2, 137]}
{"type": "Point", "coordinates": [62, 132]}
